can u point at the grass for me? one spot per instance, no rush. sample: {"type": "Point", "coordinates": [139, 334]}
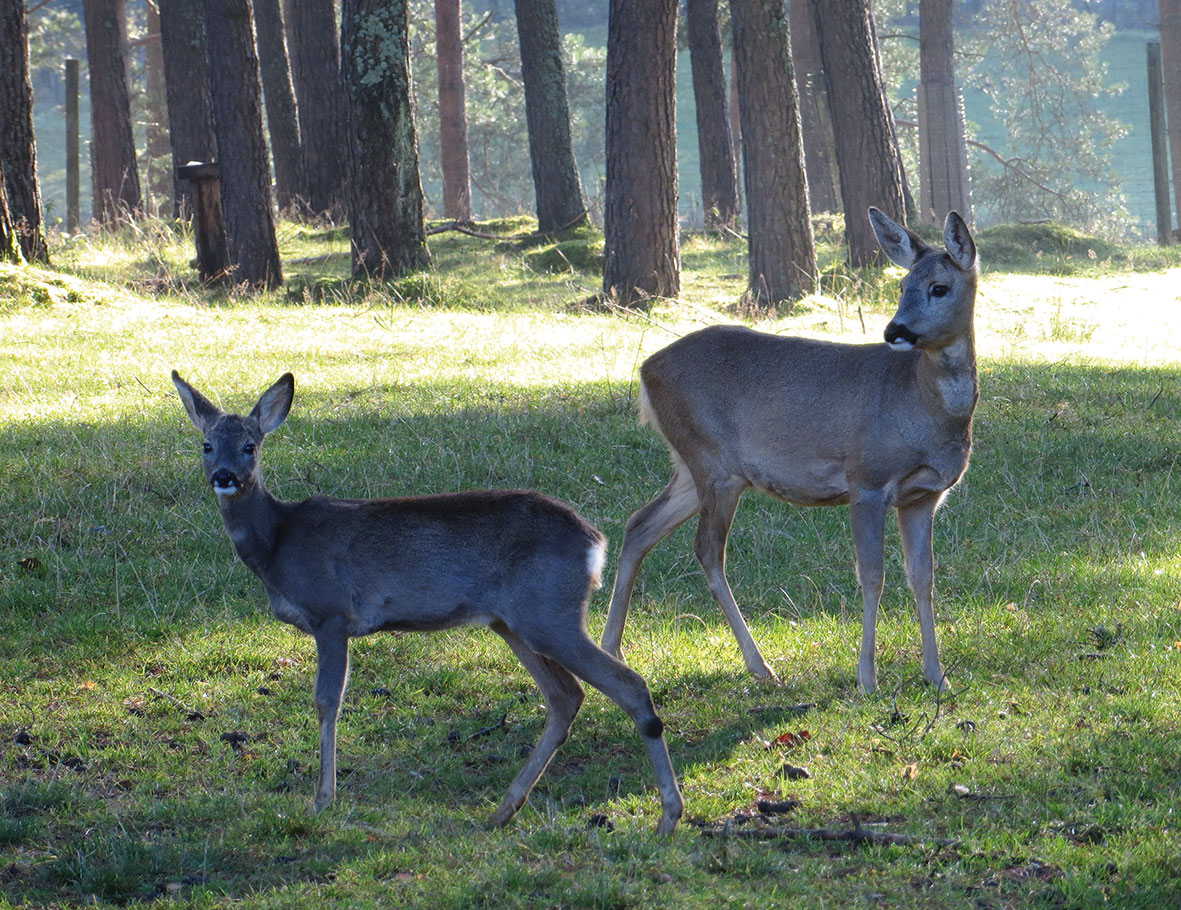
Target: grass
{"type": "Point", "coordinates": [157, 739]}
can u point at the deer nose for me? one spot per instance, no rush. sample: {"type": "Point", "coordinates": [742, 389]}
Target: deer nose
{"type": "Point", "coordinates": [224, 482]}
{"type": "Point", "coordinates": [900, 336]}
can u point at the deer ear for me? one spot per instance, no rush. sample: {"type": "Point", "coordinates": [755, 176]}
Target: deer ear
{"type": "Point", "coordinates": [201, 410]}
{"type": "Point", "coordinates": [275, 403]}
{"type": "Point", "coordinates": [960, 245]}
{"type": "Point", "coordinates": [900, 244]}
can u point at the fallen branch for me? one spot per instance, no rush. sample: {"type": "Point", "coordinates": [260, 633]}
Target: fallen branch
{"type": "Point", "coordinates": [856, 834]}
{"type": "Point", "coordinates": [189, 713]}
{"type": "Point", "coordinates": [462, 228]}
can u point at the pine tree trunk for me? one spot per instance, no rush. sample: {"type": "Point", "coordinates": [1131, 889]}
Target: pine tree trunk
{"type": "Point", "coordinates": [282, 119]}
{"type": "Point", "coordinates": [642, 258]}
{"type": "Point", "coordinates": [18, 152]}
{"type": "Point", "coordinates": [242, 150]}
{"type": "Point", "coordinates": [556, 184]}
{"type": "Point", "coordinates": [715, 145]}
{"type": "Point", "coordinates": [867, 155]}
{"type": "Point", "coordinates": [815, 121]}
{"type": "Point", "coordinates": [10, 249]}
{"type": "Point", "coordinates": [384, 190]}
{"type": "Point", "coordinates": [943, 159]}
{"type": "Point", "coordinates": [782, 254]}
{"type": "Point", "coordinates": [457, 192]}
{"type": "Point", "coordinates": [1170, 49]}
{"type": "Point", "coordinates": [186, 82]}
{"type": "Point", "coordinates": [116, 179]}
{"type": "Point", "coordinates": [159, 162]}
{"type": "Point", "coordinates": [315, 73]}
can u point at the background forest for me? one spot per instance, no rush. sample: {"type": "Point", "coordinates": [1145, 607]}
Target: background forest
{"type": "Point", "coordinates": [1055, 90]}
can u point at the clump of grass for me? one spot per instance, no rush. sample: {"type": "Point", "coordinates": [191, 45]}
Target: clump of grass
{"type": "Point", "coordinates": [1048, 247]}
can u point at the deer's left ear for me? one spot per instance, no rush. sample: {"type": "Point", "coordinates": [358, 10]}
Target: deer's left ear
{"type": "Point", "coordinates": [275, 403]}
{"type": "Point", "coordinates": [958, 240]}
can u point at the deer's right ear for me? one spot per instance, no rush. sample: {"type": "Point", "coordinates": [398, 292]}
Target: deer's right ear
{"type": "Point", "coordinates": [275, 403]}
{"type": "Point", "coordinates": [902, 246]}
{"type": "Point", "coordinates": [201, 410]}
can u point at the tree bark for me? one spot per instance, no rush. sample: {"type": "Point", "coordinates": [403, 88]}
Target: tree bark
{"type": "Point", "coordinates": [1170, 49]}
{"type": "Point", "coordinates": [556, 185]}
{"type": "Point", "coordinates": [715, 145]}
{"type": "Point", "coordinates": [245, 171]}
{"type": "Point", "coordinates": [282, 119]}
{"type": "Point", "coordinates": [457, 189]}
{"type": "Point", "coordinates": [186, 81]}
{"type": "Point", "coordinates": [384, 190]}
{"type": "Point", "coordinates": [782, 254]}
{"type": "Point", "coordinates": [642, 259]}
{"type": "Point", "coordinates": [815, 120]}
{"type": "Point", "coordinates": [18, 151]}
{"type": "Point", "coordinates": [116, 178]}
{"type": "Point", "coordinates": [863, 127]}
{"type": "Point", "coordinates": [315, 72]}
{"type": "Point", "coordinates": [159, 159]}
{"type": "Point", "coordinates": [943, 157]}
{"type": "Point", "coordinates": [10, 249]}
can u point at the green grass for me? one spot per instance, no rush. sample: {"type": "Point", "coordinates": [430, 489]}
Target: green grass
{"type": "Point", "coordinates": [1055, 767]}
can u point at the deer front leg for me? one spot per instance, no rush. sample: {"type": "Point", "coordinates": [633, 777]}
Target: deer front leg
{"type": "Point", "coordinates": [916, 524]}
{"type": "Point", "coordinates": [867, 513]}
{"type": "Point", "coordinates": [332, 671]}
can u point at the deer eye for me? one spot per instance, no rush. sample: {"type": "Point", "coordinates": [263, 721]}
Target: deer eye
{"type": "Point", "coordinates": [940, 290]}
{"type": "Point", "coordinates": [206, 448]}
{"type": "Point", "coordinates": [250, 448]}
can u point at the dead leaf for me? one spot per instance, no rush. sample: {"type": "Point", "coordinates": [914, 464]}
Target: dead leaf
{"type": "Point", "coordinates": [911, 771]}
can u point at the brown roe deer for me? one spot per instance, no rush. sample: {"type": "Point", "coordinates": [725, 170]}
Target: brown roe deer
{"type": "Point", "coordinates": [817, 423]}
{"type": "Point", "coordinates": [521, 563]}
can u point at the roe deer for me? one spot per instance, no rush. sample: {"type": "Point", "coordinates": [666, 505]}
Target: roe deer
{"type": "Point", "coordinates": [521, 563]}
{"type": "Point", "coordinates": [820, 423]}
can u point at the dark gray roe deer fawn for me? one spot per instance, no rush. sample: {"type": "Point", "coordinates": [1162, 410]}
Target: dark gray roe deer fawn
{"type": "Point", "coordinates": [817, 423]}
{"type": "Point", "coordinates": [521, 563]}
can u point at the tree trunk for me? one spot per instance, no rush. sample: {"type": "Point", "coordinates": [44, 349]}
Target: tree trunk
{"type": "Point", "coordinates": [863, 127]}
{"type": "Point", "coordinates": [282, 120]}
{"type": "Point", "coordinates": [943, 158]}
{"type": "Point", "coordinates": [10, 248]}
{"type": "Point", "coordinates": [18, 152]}
{"type": "Point", "coordinates": [242, 150]}
{"type": "Point", "coordinates": [186, 82]}
{"type": "Point", "coordinates": [556, 184]}
{"type": "Point", "coordinates": [384, 189]}
{"type": "Point", "coordinates": [116, 179]}
{"type": "Point", "coordinates": [782, 255]}
{"type": "Point", "coordinates": [815, 121]}
{"type": "Point", "coordinates": [642, 258]}
{"type": "Point", "coordinates": [457, 184]}
{"type": "Point", "coordinates": [1170, 50]}
{"type": "Point", "coordinates": [715, 145]}
{"type": "Point", "coordinates": [315, 72]}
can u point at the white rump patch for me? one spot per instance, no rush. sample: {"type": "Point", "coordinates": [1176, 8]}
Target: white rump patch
{"type": "Point", "coordinates": [596, 558]}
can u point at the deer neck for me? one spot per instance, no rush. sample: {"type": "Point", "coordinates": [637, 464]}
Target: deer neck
{"type": "Point", "coordinates": [947, 377]}
{"type": "Point", "coordinates": [250, 519]}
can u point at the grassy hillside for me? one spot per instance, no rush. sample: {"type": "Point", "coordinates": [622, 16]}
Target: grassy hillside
{"type": "Point", "coordinates": [158, 738]}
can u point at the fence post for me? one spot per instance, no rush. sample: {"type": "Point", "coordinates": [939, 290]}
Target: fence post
{"type": "Point", "coordinates": [73, 173]}
{"type": "Point", "coordinates": [209, 223]}
{"type": "Point", "coordinates": [1160, 151]}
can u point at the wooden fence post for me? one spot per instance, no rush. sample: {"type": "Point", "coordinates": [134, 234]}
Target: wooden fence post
{"type": "Point", "coordinates": [209, 223]}
{"type": "Point", "coordinates": [73, 171]}
{"type": "Point", "coordinates": [1160, 151]}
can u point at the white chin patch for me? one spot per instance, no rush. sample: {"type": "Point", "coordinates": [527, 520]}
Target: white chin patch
{"type": "Point", "coordinates": [225, 491]}
{"type": "Point", "coordinates": [901, 345]}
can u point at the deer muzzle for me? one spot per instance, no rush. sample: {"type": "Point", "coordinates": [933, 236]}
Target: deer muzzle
{"type": "Point", "coordinates": [225, 483]}
{"type": "Point", "coordinates": [900, 337]}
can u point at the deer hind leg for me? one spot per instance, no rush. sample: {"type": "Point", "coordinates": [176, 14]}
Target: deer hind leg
{"type": "Point", "coordinates": [645, 529]}
{"type": "Point", "coordinates": [717, 514]}
{"type": "Point", "coordinates": [627, 688]}
{"type": "Point", "coordinates": [868, 517]}
{"type": "Point", "coordinates": [332, 673]}
{"type": "Point", "coordinates": [563, 697]}
{"type": "Point", "coordinates": [916, 525]}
